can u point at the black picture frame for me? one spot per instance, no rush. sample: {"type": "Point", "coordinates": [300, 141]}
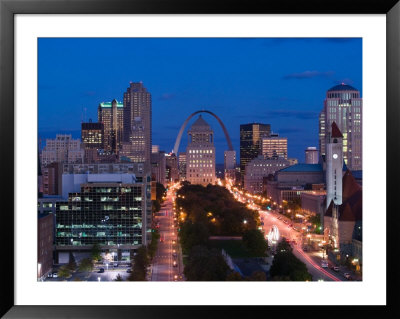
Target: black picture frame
{"type": "Point", "coordinates": [8, 8]}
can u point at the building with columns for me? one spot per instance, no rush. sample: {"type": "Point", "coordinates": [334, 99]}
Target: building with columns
{"type": "Point", "coordinates": [200, 154]}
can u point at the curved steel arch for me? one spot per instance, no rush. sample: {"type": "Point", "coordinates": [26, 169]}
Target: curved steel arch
{"type": "Point", "coordinates": [179, 137]}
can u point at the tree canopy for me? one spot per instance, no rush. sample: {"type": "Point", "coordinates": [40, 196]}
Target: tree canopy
{"type": "Point", "coordinates": [286, 266]}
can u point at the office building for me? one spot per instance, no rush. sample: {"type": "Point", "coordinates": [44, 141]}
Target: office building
{"type": "Point", "coordinates": [274, 146]}
{"type": "Point", "coordinates": [250, 142]}
{"type": "Point", "coordinates": [158, 166]}
{"type": "Point", "coordinates": [45, 248]}
{"type": "Point", "coordinates": [230, 164]}
{"type": "Point", "coordinates": [200, 154]}
{"type": "Point", "coordinates": [259, 168]}
{"type": "Point", "coordinates": [311, 155]}
{"type": "Point", "coordinates": [182, 165]}
{"type": "Point", "coordinates": [137, 123]}
{"type": "Point", "coordinates": [343, 105]}
{"type": "Point", "coordinates": [107, 204]}
{"type": "Point", "coordinates": [62, 149]}
{"type": "Point", "coordinates": [92, 136]}
{"type": "Point", "coordinates": [171, 167]}
{"type": "Point", "coordinates": [51, 179]}
{"type": "Point", "coordinates": [111, 115]}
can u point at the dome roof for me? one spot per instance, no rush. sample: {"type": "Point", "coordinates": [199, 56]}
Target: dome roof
{"type": "Point", "coordinates": [200, 125]}
{"type": "Point", "coordinates": [342, 87]}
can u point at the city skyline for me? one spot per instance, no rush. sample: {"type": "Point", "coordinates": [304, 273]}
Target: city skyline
{"type": "Point", "coordinates": [229, 76]}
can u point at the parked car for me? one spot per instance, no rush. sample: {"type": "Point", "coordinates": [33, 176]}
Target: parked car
{"type": "Point", "coordinates": [347, 276]}
{"type": "Point", "coordinates": [335, 268]}
{"type": "Point", "coordinates": [55, 275]}
{"type": "Point", "coordinates": [101, 270]}
{"type": "Point", "coordinates": [324, 264]}
{"type": "Point", "coordinates": [49, 275]}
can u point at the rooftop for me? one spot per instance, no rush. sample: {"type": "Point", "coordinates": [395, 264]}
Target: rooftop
{"type": "Point", "coordinates": [303, 168]}
{"type": "Point", "coordinates": [342, 87]}
{"type": "Point", "coordinates": [200, 125]}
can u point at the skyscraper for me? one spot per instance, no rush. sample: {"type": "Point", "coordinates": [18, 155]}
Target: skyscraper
{"type": "Point", "coordinates": [92, 135]}
{"type": "Point", "coordinates": [110, 114]}
{"type": "Point", "coordinates": [250, 142]}
{"type": "Point", "coordinates": [274, 146]}
{"type": "Point", "coordinates": [229, 164]}
{"type": "Point", "coordinates": [137, 122]}
{"type": "Point", "coordinates": [200, 154]}
{"type": "Point", "coordinates": [343, 105]}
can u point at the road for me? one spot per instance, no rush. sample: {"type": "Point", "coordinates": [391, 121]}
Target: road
{"type": "Point", "coordinates": [163, 268]}
{"type": "Point", "coordinates": [313, 262]}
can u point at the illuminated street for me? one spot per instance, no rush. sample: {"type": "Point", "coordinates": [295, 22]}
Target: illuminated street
{"type": "Point", "coordinates": [168, 253]}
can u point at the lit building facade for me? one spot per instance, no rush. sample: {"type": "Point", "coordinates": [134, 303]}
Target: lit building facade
{"type": "Point", "coordinates": [158, 166]}
{"type": "Point", "coordinates": [62, 149]}
{"type": "Point", "coordinates": [311, 155]}
{"type": "Point", "coordinates": [111, 115]}
{"type": "Point", "coordinates": [137, 123]}
{"type": "Point", "coordinates": [343, 105]}
{"type": "Point", "coordinates": [182, 165]}
{"type": "Point", "coordinates": [200, 154]}
{"type": "Point", "coordinates": [45, 247]}
{"type": "Point", "coordinates": [230, 164]}
{"type": "Point", "coordinates": [92, 136]}
{"type": "Point", "coordinates": [250, 142]}
{"type": "Point", "coordinates": [171, 167]}
{"type": "Point", "coordinates": [259, 168]}
{"type": "Point", "coordinates": [274, 146]}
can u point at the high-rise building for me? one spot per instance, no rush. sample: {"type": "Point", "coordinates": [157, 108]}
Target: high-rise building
{"type": "Point", "coordinates": [158, 166]}
{"type": "Point", "coordinates": [107, 204]}
{"type": "Point", "coordinates": [274, 146]}
{"type": "Point", "coordinates": [111, 115]}
{"type": "Point", "coordinates": [182, 165]}
{"type": "Point", "coordinates": [343, 105]}
{"type": "Point", "coordinates": [92, 136]}
{"type": "Point", "coordinates": [200, 153]}
{"type": "Point", "coordinates": [62, 149]}
{"type": "Point", "coordinates": [230, 164]}
{"type": "Point", "coordinates": [250, 142]}
{"type": "Point", "coordinates": [311, 154]}
{"type": "Point", "coordinates": [171, 167]}
{"type": "Point", "coordinates": [51, 179]}
{"type": "Point", "coordinates": [137, 123]}
{"type": "Point", "coordinates": [45, 248]}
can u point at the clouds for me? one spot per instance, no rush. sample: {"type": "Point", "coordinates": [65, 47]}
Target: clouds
{"type": "Point", "coordinates": [166, 96]}
{"type": "Point", "coordinates": [301, 115]}
{"type": "Point", "coordinates": [308, 75]}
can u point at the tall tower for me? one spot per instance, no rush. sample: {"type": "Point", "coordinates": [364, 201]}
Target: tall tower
{"type": "Point", "coordinates": [343, 105]}
{"type": "Point", "coordinates": [334, 166]}
{"type": "Point", "coordinates": [250, 142]}
{"type": "Point", "coordinates": [200, 154]}
{"type": "Point", "coordinates": [137, 121]}
{"type": "Point", "coordinates": [110, 114]}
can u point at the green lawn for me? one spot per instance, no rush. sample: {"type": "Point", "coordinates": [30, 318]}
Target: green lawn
{"type": "Point", "coordinates": [234, 248]}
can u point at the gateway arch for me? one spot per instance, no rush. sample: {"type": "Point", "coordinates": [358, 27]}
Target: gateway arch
{"type": "Point", "coordinates": [179, 137]}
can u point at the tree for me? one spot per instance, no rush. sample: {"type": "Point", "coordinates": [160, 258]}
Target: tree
{"type": "Point", "coordinates": [234, 276]}
{"type": "Point", "coordinates": [64, 272]}
{"type": "Point", "coordinates": [286, 266]}
{"type": "Point", "coordinates": [72, 263]}
{"type": "Point", "coordinates": [255, 243]}
{"type": "Point", "coordinates": [86, 265]}
{"type": "Point", "coordinates": [205, 265]}
{"type": "Point", "coordinates": [141, 262]}
{"type": "Point", "coordinates": [258, 276]}
{"type": "Point", "coordinates": [152, 247]}
{"type": "Point", "coordinates": [193, 234]}
{"type": "Point", "coordinates": [96, 252]}
{"type": "Point", "coordinates": [118, 278]}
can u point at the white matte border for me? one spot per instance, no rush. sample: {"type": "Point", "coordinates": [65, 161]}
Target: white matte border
{"type": "Point", "coordinates": [372, 291]}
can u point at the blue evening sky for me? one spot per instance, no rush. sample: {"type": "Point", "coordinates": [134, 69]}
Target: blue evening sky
{"type": "Point", "coordinates": [280, 81]}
